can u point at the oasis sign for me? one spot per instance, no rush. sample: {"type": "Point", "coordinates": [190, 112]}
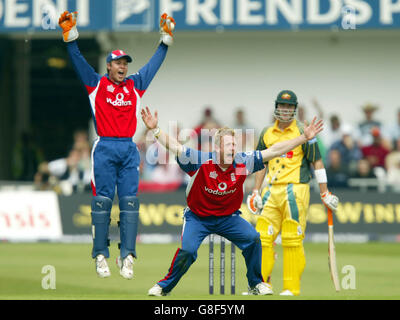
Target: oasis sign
{"type": "Point", "coordinates": [143, 15]}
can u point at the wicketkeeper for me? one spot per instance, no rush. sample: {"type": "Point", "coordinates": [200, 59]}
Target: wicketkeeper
{"type": "Point", "coordinates": [115, 103]}
{"type": "Point", "coordinates": [283, 203]}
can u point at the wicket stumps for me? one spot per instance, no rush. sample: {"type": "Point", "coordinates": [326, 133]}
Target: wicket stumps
{"type": "Point", "coordinates": [222, 265]}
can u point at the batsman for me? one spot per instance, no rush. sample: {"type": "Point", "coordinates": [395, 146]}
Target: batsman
{"type": "Point", "coordinates": [115, 103]}
{"type": "Point", "coordinates": [283, 203]}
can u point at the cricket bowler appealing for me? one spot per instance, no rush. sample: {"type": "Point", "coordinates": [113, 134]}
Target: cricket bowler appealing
{"type": "Point", "coordinates": [214, 196]}
{"type": "Point", "coordinates": [115, 103]}
{"type": "Point", "coordinates": [284, 202]}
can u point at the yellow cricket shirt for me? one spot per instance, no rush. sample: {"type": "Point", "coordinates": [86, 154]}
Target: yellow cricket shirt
{"type": "Point", "coordinates": [294, 166]}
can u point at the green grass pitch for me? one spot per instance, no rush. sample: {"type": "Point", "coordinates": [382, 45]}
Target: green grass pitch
{"type": "Point", "coordinates": [376, 266]}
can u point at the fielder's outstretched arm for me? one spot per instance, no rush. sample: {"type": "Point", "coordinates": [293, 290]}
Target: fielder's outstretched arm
{"type": "Point", "coordinates": [151, 123]}
{"type": "Point", "coordinates": [283, 147]}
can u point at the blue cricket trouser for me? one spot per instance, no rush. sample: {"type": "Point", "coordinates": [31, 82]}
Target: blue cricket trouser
{"type": "Point", "coordinates": [232, 227]}
{"type": "Point", "coordinates": [115, 163]}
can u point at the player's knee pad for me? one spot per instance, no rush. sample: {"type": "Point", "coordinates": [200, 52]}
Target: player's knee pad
{"type": "Point", "coordinates": [101, 213]}
{"type": "Point", "coordinates": [266, 230]}
{"type": "Point", "coordinates": [292, 233]}
{"type": "Point", "coordinates": [128, 224]}
{"type": "Point", "coordinates": [292, 243]}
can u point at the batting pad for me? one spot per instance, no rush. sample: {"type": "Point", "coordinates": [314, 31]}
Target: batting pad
{"type": "Point", "coordinates": [267, 242]}
{"type": "Point", "coordinates": [293, 255]}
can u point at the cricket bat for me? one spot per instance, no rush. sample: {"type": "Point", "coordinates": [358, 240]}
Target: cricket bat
{"type": "Point", "coordinates": [332, 253]}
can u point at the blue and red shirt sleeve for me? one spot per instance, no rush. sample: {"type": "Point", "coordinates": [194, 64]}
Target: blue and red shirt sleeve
{"type": "Point", "coordinates": [190, 160]}
{"type": "Point", "coordinates": [252, 160]}
{"type": "Point", "coordinates": [84, 70]}
{"type": "Point", "coordinates": [146, 74]}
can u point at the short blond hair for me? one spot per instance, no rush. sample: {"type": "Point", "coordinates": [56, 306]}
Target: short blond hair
{"type": "Point", "coordinates": [224, 131]}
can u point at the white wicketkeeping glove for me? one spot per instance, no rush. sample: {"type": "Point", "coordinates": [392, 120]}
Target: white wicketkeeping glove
{"type": "Point", "coordinates": [330, 200]}
{"type": "Point", "coordinates": [254, 202]}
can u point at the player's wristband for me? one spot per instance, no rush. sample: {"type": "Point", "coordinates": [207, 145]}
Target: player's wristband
{"type": "Point", "coordinates": [320, 176]}
{"type": "Point", "coordinates": [156, 132]}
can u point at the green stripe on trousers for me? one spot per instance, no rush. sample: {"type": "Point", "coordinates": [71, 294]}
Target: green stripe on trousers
{"type": "Point", "coordinates": [294, 210]}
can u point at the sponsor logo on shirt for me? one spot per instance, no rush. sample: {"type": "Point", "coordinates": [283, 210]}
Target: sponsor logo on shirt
{"type": "Point", "coordinates": [219, 193]}
{"type": "Point", "coordinates": [222, 186]}
{"type": "Point", "coordinates": [119, 101]}
{"type": "Point", "coordinates": [288, 155]}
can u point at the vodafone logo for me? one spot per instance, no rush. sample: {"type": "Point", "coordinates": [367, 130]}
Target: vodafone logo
{"type": "Point", "coordinates": [222, 186]}
{"type": "Point", "coordinates": [119, 101]}
{"type": "Point", "coordinates": [219, 193]}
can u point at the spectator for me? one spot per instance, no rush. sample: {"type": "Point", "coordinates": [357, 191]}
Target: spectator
{"type": "Point", "coordinates": [375, 153]}
{"type": "Point", "coordinates": [336, 171]}
{"type": "Point", "coordinates": [364, 170]}
{"type": "Point", "coordinates": [167, 172]}
{"type": "Point", "coordinates": [42, 180]}
{"type": "Point", "coordinates": [392, 132]}
{"type": "Point", "coordinates": [350, 153]}
{"type": "Point", "coordinates": [67, 175]}
{"type": "Point", "coordinates": [365, 137]}
{"type": "Point", "coordinates": [392, 163]}
{"type": "Point", "coordinates": [81, 136]}
{"type": "Point", "coordinates": [204, 130]}
{"type": "Point", "coordinates": [332, 132]}
{"type": "Point", "coordinates": [244, 130]}
{"type": "Point", "coordinates": [157, 172]}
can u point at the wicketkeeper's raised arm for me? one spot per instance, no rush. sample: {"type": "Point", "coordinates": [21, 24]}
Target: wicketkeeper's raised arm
{"type": "Point", "coordinates": [151, 123]}
{"type": "Point", "coordinates": [85, 72]}
{"type": "Point", "coordinates": [146, 74]}
{"type": "Point", "coordinates": [283, 147]}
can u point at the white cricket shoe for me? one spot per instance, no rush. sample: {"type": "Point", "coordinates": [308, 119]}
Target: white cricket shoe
{"type": "Point", "coordinates": [286, 293]}
{"type": "Point", "coordinates": [102, 269]}
{"type": "Point", "coordinates": [261, 289]}
{"type": "Point", "coordinates": [156, 291]}
{"type": "Point", "coordinates": [126, 266]}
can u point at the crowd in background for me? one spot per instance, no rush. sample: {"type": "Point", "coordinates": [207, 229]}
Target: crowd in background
{"type": "Point", "coordinates": [354, 154]}
{"type": "Point", "coordinates": [70, 174]}
{"type": "Point", "coordinates": [366, 152]}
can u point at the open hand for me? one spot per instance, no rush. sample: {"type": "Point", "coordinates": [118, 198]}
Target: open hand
{"type": "Point", "coordinates": [149, 120]}
{"type": "Point", "coordinates": [310, 131]}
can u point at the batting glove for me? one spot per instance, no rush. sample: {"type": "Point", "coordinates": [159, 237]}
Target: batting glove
{"type": "Point", "coordinates": [254, 202]}
{"type": "Point", "coordinates": [67, 22]}
{"type": "Point", "coordinates": [330, 200]}
{"type": "Point", "coordinates": [167, 26]}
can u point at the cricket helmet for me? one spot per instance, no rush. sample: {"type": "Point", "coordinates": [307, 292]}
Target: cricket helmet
{"type": "Point", "coordinates": [285, 97]}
